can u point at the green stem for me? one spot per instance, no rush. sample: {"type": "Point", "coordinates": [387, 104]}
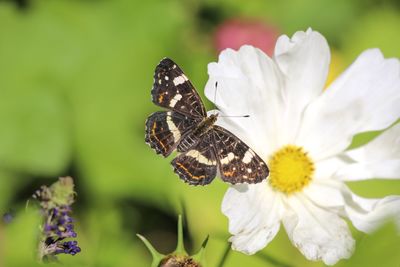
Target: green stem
{"type": "Point", "coordinates": [225, 255]}
{"type": "Point", "coordinates": [273, 260]}
{"type": "Point", "coordinates": [40, 251]}
{"type": "Point", "coordinates": [42, 240]}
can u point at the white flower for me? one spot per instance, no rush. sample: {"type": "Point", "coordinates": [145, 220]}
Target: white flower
{"type": "Point", "coordinates": [302, 132]}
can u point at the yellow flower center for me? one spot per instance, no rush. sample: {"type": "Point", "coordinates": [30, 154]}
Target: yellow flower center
{"type": "Point", "coordinates": [291, 169]}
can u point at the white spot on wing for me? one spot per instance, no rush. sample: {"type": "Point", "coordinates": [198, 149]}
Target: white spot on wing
{"type": "Point", "coordinates": [172, 127]}
{"type": "Point", "coordinates": [248, 156]}
{"type": "Point", "coordinates": [228, 158]}
{"type": "Point", "coordinates": [174, 100]}
{"type": "Point", "coordinates": [197, 155]}
{"type": "Point", "coordinates": [180, 79]}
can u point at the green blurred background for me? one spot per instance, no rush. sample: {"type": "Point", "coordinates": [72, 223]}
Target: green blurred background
{"type": "Point", "coordinates": [75, 80]}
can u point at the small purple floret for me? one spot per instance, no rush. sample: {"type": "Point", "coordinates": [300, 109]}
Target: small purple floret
{"type": "Point", "coordinates": [58, 228]}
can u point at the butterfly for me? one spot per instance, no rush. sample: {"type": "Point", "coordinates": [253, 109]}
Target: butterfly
{"type": "Point", "coordinates": [205, 148]}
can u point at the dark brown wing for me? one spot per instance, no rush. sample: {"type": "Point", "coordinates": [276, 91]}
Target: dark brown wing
{"type": "Point", "coordinates": [164, 130]}
{"type": "Point", "coordinates": [237, 162]}
{"type": "Point", "coordinates": [173, 90]}
{"type": "Point", "coordinates": [198, 166]}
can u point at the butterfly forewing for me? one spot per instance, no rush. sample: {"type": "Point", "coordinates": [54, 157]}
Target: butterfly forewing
{"type": "Point", "coordinates": [237, 161]}
{"type": "Point", "coordinates": [165, 129]}
{"type": "Point", "coordinates": [197, 166]}
{"type": "Point", "coordinates": [173, 90]}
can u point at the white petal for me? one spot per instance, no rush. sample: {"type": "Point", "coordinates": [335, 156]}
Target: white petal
{"type": "Point", "coordinates": [368, 214]}
{"type": "Point", "coordinates": [326, 168]}
{"type": "Point", "coordinates": [379, 158]}
{"type": "Point", "coordinates": [304, 60]}
{"type": "Point", "coordinates": [251, 242]}
{"type": "Point", "coordinates": [317, 233]}
{"type": "Point", "coordinates": [254, 216]}
{"type": "Point", "coordinates": [365, 97]}
{"type": "Point", "coordinates": [248, 84]}
{"type": "Point", "coordinates": [365, 214]}
{"type": "Point", "coordinates": [325, 193]}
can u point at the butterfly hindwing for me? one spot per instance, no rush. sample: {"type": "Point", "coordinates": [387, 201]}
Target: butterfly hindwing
{"type": "Point", "coordinates": [165, 129]}
{"type": "Point", "coordinates": [173, 90]}
{"type": "Point", "coordinates": [197, 166]}
{"type": "Point", "coordinates": [237, 161]}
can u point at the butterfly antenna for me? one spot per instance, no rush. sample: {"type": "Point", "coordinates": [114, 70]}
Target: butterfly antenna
{"type": "Point", "coordinates": [215, 96]}
{"type": "Point", "coordinates": [234, 116]}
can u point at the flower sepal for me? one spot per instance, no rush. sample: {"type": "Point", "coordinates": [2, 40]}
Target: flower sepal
{"type": "Point", "coordinates": [179, 257]}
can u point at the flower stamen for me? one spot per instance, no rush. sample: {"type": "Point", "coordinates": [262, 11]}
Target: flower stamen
{"type": "Point", "coordinates": [291, 169]}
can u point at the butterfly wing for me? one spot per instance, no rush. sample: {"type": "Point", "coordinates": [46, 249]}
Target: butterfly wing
{"type": "Point", "coordinates": [173, 90]}
{"type": "Point", "coordinates": [164, 130]}
{"type": "Point", "coordinates": [238, 163]}
{"type": "Point", "coordinates": [198, 166]}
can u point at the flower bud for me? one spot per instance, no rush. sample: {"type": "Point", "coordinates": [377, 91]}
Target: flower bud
{"type": "Point", "coordinates": [178, 258]}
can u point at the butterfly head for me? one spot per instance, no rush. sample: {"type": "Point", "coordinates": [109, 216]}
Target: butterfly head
{"type": "Point", "coordinates": [212, 118]}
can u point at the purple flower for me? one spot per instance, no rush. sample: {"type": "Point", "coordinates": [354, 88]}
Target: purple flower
{"type": "Point", "coordinates": [55, 202]}
{"type": "Point", "coordinates": [70, 247]}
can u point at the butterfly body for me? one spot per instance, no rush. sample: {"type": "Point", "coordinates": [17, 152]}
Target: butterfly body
{"type": "Point", "coordinates": [192, 139]}
{"type": "Point", "coordinates": [205, 148]}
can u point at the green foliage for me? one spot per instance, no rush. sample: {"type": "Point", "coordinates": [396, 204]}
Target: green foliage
{"type": "Point", "coordinates": [75, 80]}
{"type": "Point", "coordinates": [377, 249]}
{"type": "Point", "coordinates": [377, 28]}
{"type": "Point", "coordinates": [8, 183]}
{"type": "Point", "coordinates": [20, 240]}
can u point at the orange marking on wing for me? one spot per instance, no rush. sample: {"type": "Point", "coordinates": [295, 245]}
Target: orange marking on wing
{"type": "Point", "coordinates": [229, 174]}
{"type": "Point", "coordinates": [153, 131]}
{"type": "Point", "coordinates": [187, 171]}
{"type": "Point", "coordinates": [160, 98]}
